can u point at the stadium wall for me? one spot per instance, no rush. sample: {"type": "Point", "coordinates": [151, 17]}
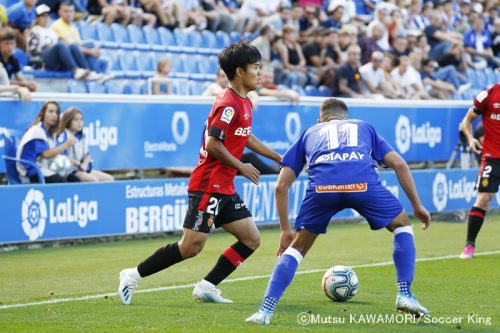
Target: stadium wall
{"type": "Point", "coordinates": [64, 211]}
{"type": "Point", "coordinates": [147, 132]}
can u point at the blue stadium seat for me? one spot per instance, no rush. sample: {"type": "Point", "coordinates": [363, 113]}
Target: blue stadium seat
{"type": "Point", "coordinates": [473, 79]}
{"type": "Point", "coordinates": [325, 91]}
{"type": "Point", "coordinates": [196, 88]}
{"type": "Point", "coordinates": [179, 87]}
{"type": "Point", "coordinates": [311, 90]}
{"type": "Point", "coordinates": [87, 31]}
{"type": "Point", "coordinates": [481, 77]}
{"type": "Point", "coordinates": [75, 86]}
{"type": "Point", "coordinates": [146, 61]}
{"type": "Point", "coordinates": [128, 64]}
{"type": "Point", "coordinates": [209, 66]}
{"type": "Point", "coordinates": [95, 87]}
{"type": "Point", "coordinates": [105, 36]}
{"type": "Point", "coordinates": [177, 63]}
{"type": "Point", "coordinates": [152, 37]}
{"type": "Point", "coordinates": [190, 64]}
{"type": "Point", "coordinates": [195, 39]}
{"type": "Point", "coordinates": [10, 140]}
{"type": "Point", "coordinates": [137, 37]}
{"type": "Point", "coordinates": [299, 90]}
{"type": "Point", "coordinates": [166, 37]}
{"type": "Point", "coordinates": [113, 87]}
{"type": "Point", "coordinates": [490, 76]}
{"type": "Point", "coordinates": [248, 36]}
{"type": "Point", "coordinates": [180, 37]}
{"type": "Point", "coordinates": [223, 39]}
{"type": "Point", "coordinates": [135, 87]}
{"type": "Point", "coordinates": [121, 36]}
{"type": "Point", "coordinates": [235, 36]}
{"type": "Point", "coordinates": [209, 39]}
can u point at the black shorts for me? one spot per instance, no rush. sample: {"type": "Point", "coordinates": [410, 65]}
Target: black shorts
{"type": "Point", "coordinates": [207, 209]}
{"type": "Point", "coordinates": [488, 178]}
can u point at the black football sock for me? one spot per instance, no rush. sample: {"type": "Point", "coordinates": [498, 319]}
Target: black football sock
{"type": "Point", "coordinates": [476, 218]}
{"type": "Point", "coordinates": [161, 259]}
{"type": "Point", "coordinates": [229, 260]}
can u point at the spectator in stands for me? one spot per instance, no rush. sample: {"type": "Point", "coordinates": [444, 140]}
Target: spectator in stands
{"type": "Point", "coordinates": [347, 78]}
{"type": "Point", "coordinates": [439, 40]}
{"type": "Point", "coordinates": [111, 11]}
{"type": "Point", "coordinates": [292, 58]}
{"type": "Point", "coordinates": [267, 87]}
{"type": "Point", "coordinates": [192, 14]}
{"type": "Point", "coordinates": [423, 45]}
{"type": "Point", "coordinates": [5, 86]}
{"type": "Point", "coordinates": [381, 17]}
{"type": "Point", "coordinates": [253, 12]}
{"type": "Point", "coordinates": [332, 48]}
{"type": "Point", "coordinates": [44, 49]}
{"type": "Point", "coordinates": [316, 57]}
{"type": "Point", "coordinates": [372, 76]}
{"type": "Point", "coordinates": [308, 22]}
{"type": "Point", "coordinates": [435, 87]}
{"type": "Point", "coordinates": [221, 83]}
{"type": "Point", "coordinates": [369, 44]}
{"type": "Point", "coordinates": [417, 19]}
{"type": "Point", "coordinates": [263, 42]}
{"type": "Point", "coordinates": [334, 20]}
{"type": "Point", "coordinates": [217, 17]}
{"type": "Point", "coordinates": [3, 15]}
{"type": "Point", "coordinates": [477, 42]}
{"type": "Point", "coordinates": [391, 88]}
{"type": "Point", "coordinates": [21, 15]}
{"type": "Point", "coordinates": [409, 80]}
{"type": "Point", "coordinates": [495, 38]}
{"type": "Point", "coordinates": [9, 62]}
{"type": "Point", "coordinates": [38, 145]}
{"type": "Point", "coordinates": [167, 12]}
{"type": "Point", "coordinates": [69, 35]}
{"type": "Point", "coordinates": [345, 41]}
{"type": "Point", "coordinates": [460, 19]}
{"type": "Point", "coordinates": [71, 126]}
{"type": "Point", "coordinates": [160, 79]}
{"type": "Point", "coordinates": [280, 19]}
{"type": "Point", "coordinates": [399, 46]}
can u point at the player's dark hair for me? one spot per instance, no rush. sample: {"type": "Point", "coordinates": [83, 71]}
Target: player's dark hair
{"type": "Point", "coordinates": [238, 55]}
{"type": "Point", "coordinates": [333, 108]}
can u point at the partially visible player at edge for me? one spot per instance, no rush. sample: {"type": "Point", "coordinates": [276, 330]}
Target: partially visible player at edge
{"type": "Point", "coordinates": [212, 197]}
{"type": "Point", "coordinates": [487, 105]}
{"type": "Point", "coordinates": [341, 174]}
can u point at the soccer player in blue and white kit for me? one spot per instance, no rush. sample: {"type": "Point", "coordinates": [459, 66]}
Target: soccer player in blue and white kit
{"type": "Point", "coordinates": [340, 153]}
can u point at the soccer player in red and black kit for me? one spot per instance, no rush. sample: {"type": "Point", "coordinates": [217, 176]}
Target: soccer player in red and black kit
{"type": "Point", "coordinates": [212, 197]}
{"type": "Point", "coordinates": [487, 105]}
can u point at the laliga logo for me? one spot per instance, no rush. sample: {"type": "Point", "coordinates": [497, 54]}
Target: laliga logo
{"type": "Point", "coordinates": [440, 191]}
{"type": "Point", "coordinates": [180, 136]}
{"type": "Point", "coordinates": [403, 131]}
{"type": "Point", "coordinates": [34, 213]}
{"type": "Point", "coordinates": [103, 137]}
{"type": "Point", "coordinates": [292, 126]}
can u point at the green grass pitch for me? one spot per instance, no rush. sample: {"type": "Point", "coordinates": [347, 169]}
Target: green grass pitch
{"type": "Point", "coordinates": [463, 296]}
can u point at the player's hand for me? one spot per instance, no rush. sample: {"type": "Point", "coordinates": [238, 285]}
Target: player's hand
{"type": "Point", "coordinates": [423, 215]}
{"type": "Point", "coordinates": [475, 146]}
{"type": "Point", "coordinates": [250, 172]}
{"type": "Point", "coordinates": [285, 241]}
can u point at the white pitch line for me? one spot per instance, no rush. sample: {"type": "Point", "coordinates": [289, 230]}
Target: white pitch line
{"type": "Point", "coordinates": [245, 278]}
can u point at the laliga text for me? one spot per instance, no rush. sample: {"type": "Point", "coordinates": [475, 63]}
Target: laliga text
{"type": "Point", "coordinates": [308, 318]}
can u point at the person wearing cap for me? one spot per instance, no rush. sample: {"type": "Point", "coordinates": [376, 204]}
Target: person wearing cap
{"type": "Point", "coordinates": [334, 19]}
{"type": "Point", "coordinates": [9, 62]}
{"type": "Point", "coordinates": [45, 49]}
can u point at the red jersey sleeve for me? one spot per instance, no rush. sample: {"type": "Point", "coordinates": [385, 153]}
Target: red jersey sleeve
{"type": "Point", "coordinates": [225, 116]}
{"type": "Point", "coordinates": [482, 100]}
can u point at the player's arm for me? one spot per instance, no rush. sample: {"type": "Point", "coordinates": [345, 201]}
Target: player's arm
{"type": "Point", "coordinates": [285, 180]}
{"type": "Point", "coordinates": [466, 128]}
{"type": "Point", "coordinates": [396, 162]}
{"type": "Point", "coordinates": [216, 149]}
{"type": "Point", "coordinates": [255, 145]}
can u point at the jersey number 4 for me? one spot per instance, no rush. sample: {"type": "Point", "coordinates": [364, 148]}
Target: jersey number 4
{"type": "Point", "coordinates": [340, 133]}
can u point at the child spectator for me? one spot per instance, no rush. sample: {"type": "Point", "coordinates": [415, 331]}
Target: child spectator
{"type": "Point", "coordinates": [70, 126]}
{"type": "Point", "coordinates": [38, 145]}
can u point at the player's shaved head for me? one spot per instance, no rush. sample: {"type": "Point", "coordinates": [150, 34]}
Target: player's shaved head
{"type": "Point", "coordinates": [333, 108]}
{"type": "Point", "coordinates": [239, 54]}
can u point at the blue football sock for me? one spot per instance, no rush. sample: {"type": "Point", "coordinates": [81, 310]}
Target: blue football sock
{"type": "Point", "coordinates": [283, 273]}
{"type": "Point", "coordinates": [403, 255]}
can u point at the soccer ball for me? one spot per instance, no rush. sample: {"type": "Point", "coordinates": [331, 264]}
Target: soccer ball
{"type": "Point", "coordinates": [340, 283]}
{"type": "Point", "coordinates": [60, 165]}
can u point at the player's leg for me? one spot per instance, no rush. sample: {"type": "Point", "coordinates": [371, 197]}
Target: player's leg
{"type": "Point", "coordinates": [487, 184]}
{"type": "Point", "coordinates": [404, 254]}
{"type": "Point", "coordinates": [195, 234]}
{"type": "Point", "coordinates": [236, 219]}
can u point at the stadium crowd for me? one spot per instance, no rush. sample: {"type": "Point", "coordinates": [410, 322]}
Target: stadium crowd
{"type": "Point", "coordinates": [408, 49]}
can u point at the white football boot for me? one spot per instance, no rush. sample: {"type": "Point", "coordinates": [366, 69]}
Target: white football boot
{"type": "Point", "coordinates": [261, 317]}
{"type": "Point", "coordinates": [127, 286]}
{"type": "Point", "coordinates": [410, 305]}
{"type": "Point", "coordinates": [205, 291]}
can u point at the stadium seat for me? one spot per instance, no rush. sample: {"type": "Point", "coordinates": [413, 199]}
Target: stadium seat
{"type": "Point", "coordinates": [152, 37]}
{"type": "Point", "coordinates": [87, 31]}
{"type": "Point", "coordinates": [195, 39]}
{"type": "Point", "coordinates": [179, 87]}
{"type": "Point", "coordinates": [137, 37]}
{"type": "Point", "coordinates": [299, 90]}
{"type": "Point", "coordinates": [122, 37]}
{"type": "Point", "coordinates": [473, 79]}
{"type": "Point", "coordinates": [209, 39]}
{"type": "Point", "coordinates": [235, 36]}
{"type": "Point", "coordinates": [248, 36]}
{"type": "Point", "coordinates": [166, 37]}
{"type": "Point", "coordinates": [223, 39]}
{"type": "Point", "coordinates": [10, 140]}
{"type": "Point", "coordinates": [105, 36]}
{"type": "Point", "coordinates": [113, 87]}
{"type": "Point", "coordinates": [128, 65]}
{"type": "Point", "coordinates": [146, 61]}
{"type": "Point", "coordinates": [209, 66]}
{"type": "Point", "coordinates": [135, 87]}
{"type": "Point", "coordinates": [190, 64]}
{"type": "Point", "coordinates": [77, 87]}
{"type": "Point", "coordinates": [311, 90]}
{"type": "Point", "coordinates": [196, 88]}
{"type": "Point", "coordinates": [490, 76]}
{"type": "Point", "coordinates": [177, 63]}
{"type": "Point", "coordinates": [95, 87]}
{"type": "Point", "coordinates": [181, 38]}
{"type": "Point", "coordinates": [325, 91]}
{"type": "Point", "coordinates": [481, 77]}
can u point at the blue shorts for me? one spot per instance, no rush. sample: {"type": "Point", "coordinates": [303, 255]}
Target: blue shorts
{"type": "Point", "coordinates": [376, 204]}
